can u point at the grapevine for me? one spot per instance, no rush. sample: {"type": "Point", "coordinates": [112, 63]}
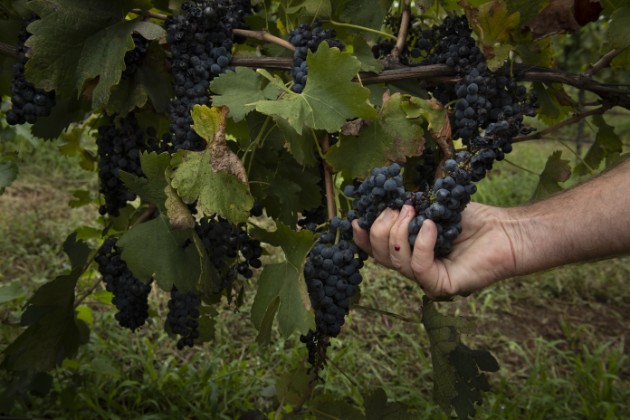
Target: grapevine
{"type": "Point", "coordinates": [237, 142]}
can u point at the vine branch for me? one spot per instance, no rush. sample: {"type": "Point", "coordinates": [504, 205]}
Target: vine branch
{"type": "Point", "coordinates": [603, 62]}
{"type": "Point", "coordinates": [265, 37]}
{"type": "Point", "coordinates": [8, 50]}
{"type": "Point", "coordinates": [571, 120]}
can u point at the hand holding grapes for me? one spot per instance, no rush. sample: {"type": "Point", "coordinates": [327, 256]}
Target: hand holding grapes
{"type": "Point", "coordinates": [584, 223]}
{"type": "Point", "coordinates": [481, 255]}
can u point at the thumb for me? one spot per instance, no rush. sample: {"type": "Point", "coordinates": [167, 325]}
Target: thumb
{"type": "Point", "coordinates": [423, 265]}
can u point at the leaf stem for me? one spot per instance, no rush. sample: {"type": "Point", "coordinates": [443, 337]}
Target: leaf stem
{"type": "Point", "coordinates": [362, 28]}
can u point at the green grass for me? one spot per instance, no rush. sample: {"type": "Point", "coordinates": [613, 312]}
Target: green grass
{"type": "Point", "coordinates": [560, 336]}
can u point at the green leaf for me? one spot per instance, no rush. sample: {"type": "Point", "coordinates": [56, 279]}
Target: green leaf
{"type": "Point", "coordinates": [357, 13]}
{"type": "Point", "coordinates": [53, 334]}
{"type": "Point", "coordinates": [327, 102]}
{"type": "Point", "coordinates": [301, 147]}
{"type": "Point", "coordinates": [282, 185]}
{"type": "Point", "coordinates": [8, 174]}
{"type": "Point", "coordinates": [607, 146]}
{"type": "Point", "coordinates": [556, 170]}
{"type": "Point", "coordinates": [551, 111]}
{"type": "Point", "coordinates": [457, 369]}
{"type": "Point", "coordinates": [151, 81]}
{"type": "Point", "coordinates": [215, 192]}
{"type": "Point", "coordinates": [285, 281]}
{"type": "Point", "coordinates": [155, 188]}
{"type": "Point", "coordinates": [391, 138]}
{"type": "Point", "coordinates": [66, 111]}
{"type": "Point", "coordinates": [378, 408]}
{"type": "Point", "coordinates": [494, 23]}
{"type": "Point", "coordinates": [238, 90]}
{"type": "Point", "coordinates": [295, 386]}
{"type": "Point", "coordinates": [77, 41]}
{"type": "Point", "coordinates": [153, 250]}
{"type": "Point", "coordinates": [11, 292]}
{"type": "Point", "coordinates": [264, 330]}
{"type": "Point", "coordinates": [78, 251]}
{"type": "Point", "coordinates": [618, 34]}
{"type": "Point", "coordinates": [363, 52]}
{"type": "Point", "coordinates": [528, 9]}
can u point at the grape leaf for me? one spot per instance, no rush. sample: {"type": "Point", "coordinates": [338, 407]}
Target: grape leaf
{"type": "Point", "coordinates": [357, 13]}
{"type": "Point", "coordinates": [327, 102]}
{"type": "Point", "coordinates": [285, 281]}
{"type": "Point", "coordinates": [151, 187]}
{"type": "Point", "coordinates": [151, 81]}
{"type": "Point", "coordinates": [8, 174]}
{"type": "Point", "coordinates": [556, 170]}
{"type": "Point", "coordinates": [66, 111]}
{"type": "Point", "coordinates": [551, 110]}
{"type": "Point", "coordinates": [54, 333]}
{"type": "Point", "coordinates": [618, 34]}
{"type": "Point", "coordinates": [214, 178]}
{"type": "Point", "coordinates": [378, 408]}
{"type": "Point", "coordinates": [239, 89]}
{"type": "Point", "coordinates": [154, 250]}
{"type": "Point", "coordinates": [493, 23]}
{"type": "Point", "coordinates": [76, 41]}
{"type": "Point", "coordinates": [155, 188]}
{"type": "Point", "coordinates": [302, 149]}
{"type": "Point", "coordinates": [317, 8]}
{"type": "Point", "coordinates": [528, 9]}
{"type": "Point", "coordinates": [282, 185]}
{"type": "Point", "coordinates": [457, 370]}
{"type": "Point", "coordinates": [607, 145]}
{"type": "Point", "coordinates": [391, 138]}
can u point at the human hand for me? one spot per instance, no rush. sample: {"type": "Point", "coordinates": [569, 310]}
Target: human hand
{"type": "Point", "coordinates": [482, 254]}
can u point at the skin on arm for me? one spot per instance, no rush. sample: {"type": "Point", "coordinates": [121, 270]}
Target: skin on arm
{"type": "Point", "coordinates": [587, 222]}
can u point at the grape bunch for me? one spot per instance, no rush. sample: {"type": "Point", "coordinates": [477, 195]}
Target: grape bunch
{"type": "Point", "coordinates": [183, 317]}
{"type": "Point", "coordinates": [28, 101]}
{"type": "Point", "coordinates": [201, 49]}
{"type": "Point", "coordinates": [444, 203]}
{"type": "Point", "coordinates": [230, 248]}
{"type": "Point", "coordinates": [120, 142]}
{"type": "Point", "coordinates": [306, 38]}
{"type": "Point", "coordinates": [135, 57]}
{"type": "Point", "coordinates": [332, 277]}
{"type": "Point", "coordinates": [130, 294]}
{"type": "Point", "coordinates": [383, 188]}
{"type": "Point", "coordinates": [488, 106]}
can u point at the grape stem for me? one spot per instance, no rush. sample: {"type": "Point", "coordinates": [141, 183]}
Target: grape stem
{"type": "Point", "coordinates": [264, 36]}
{"type": "Point", "coordinates": [571, 120]}
{"type": "Point", "coordinates": [330, 191]}
{"type": "Point", "coordinates": [402, 33]}
{"type": "Point", "coordinates": [88, 292]}
{"type": "Point", "coordinates": [148, 13]}
{"type": "Point", "coordinates": [8, 50]}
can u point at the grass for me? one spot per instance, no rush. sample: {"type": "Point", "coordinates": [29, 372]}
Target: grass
{"type": "Point", "coordinates": [560, 336]}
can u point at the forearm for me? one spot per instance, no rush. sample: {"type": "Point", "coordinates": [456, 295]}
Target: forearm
{"type": "Point", "coordinates": [587, 222]}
